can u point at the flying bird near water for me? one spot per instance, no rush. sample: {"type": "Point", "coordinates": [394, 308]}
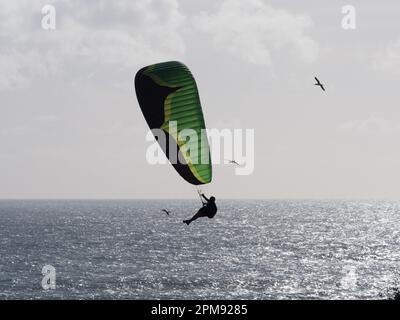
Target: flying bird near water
{"type": "Point", "coordinates": [166, 211]}
{"type": "Point", "coordinates": [319, 83]}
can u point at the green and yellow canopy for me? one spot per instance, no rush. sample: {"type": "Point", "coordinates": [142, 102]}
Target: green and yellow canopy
{"type": "Point", "coordinates": [168, 96]}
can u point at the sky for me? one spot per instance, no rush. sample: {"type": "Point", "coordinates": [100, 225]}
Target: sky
{"type": "Point", "coordinates": [71, 126]}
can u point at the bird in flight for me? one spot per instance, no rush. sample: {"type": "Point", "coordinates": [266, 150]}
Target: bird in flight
{"type": "Point", "coordinates": [233, 162]}
{"type": "Point", "coordinates": [166, 211]}
{"type": "Point", "coordinates": [319, 83]}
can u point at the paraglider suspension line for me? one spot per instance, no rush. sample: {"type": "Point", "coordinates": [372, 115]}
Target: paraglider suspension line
{"type": "Point", "coordinates": [199, 193]}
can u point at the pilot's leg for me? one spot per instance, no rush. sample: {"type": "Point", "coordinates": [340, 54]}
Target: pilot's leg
{"type": "Point", "coordinates": [199, 214]}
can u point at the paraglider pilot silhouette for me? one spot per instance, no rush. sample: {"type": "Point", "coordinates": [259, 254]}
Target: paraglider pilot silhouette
{"type": "Point", "coordinates": [209, 210]}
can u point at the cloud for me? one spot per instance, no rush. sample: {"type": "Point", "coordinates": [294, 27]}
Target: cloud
{"type": "Point", "coordinates": [46, 118]}
{"type": "Point", "coordinates": [15, 131]}
{"type": "Point", "coordinates": [254, 32]}
{"type": "Point", "coordinates": [120, 34]}
{"type": "Point", "coordinates": [10, 64]}
{"type": "Point", "coordinates": [372, 124]}
{"type": "Point", "coordinates": [389, 58]}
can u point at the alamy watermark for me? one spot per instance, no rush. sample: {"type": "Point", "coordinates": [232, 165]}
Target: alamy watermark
{"type": "Point", "coordinates": [349, 280]}
{"type": "Point", "coordinates": [226, 144]}
{"type": "Point", "coordinates": [49, 17]}
{"type": "Point", "coordinates": [49, 279]}
{"type": "Point", "coordinates": [349, 19]}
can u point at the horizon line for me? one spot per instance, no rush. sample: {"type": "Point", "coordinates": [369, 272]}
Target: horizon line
{"type": "Point", "coordinates": [186, 198]}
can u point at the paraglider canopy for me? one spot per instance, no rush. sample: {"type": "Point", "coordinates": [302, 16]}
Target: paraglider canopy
{"type": "Point", "coordinates": [169, 99]}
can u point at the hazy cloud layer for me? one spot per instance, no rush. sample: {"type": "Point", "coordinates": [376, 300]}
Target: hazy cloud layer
{"type": "Point", "coordinates": [389, 58]}
{"type": "Point", "coordinates": [371, 125]}
{"type": "Point", "coordinates": [254, 31]}
{"type": "Point", "coordinates": [116, 33]}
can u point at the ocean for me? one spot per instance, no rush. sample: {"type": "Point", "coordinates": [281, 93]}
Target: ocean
{"type": "Point", "coordinates": [252, 249]}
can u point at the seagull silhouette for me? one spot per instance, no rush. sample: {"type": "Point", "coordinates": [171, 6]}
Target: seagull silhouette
{"type": "Point", "coordinates": [233, 162]}
{"type": "Point", "coordinates": [166, 211]}
{"type": "Point", "coordinates": [319, 83]}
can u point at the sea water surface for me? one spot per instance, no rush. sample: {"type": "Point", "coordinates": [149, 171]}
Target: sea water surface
{"type": "Point", "coordinates": [258, 249]}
